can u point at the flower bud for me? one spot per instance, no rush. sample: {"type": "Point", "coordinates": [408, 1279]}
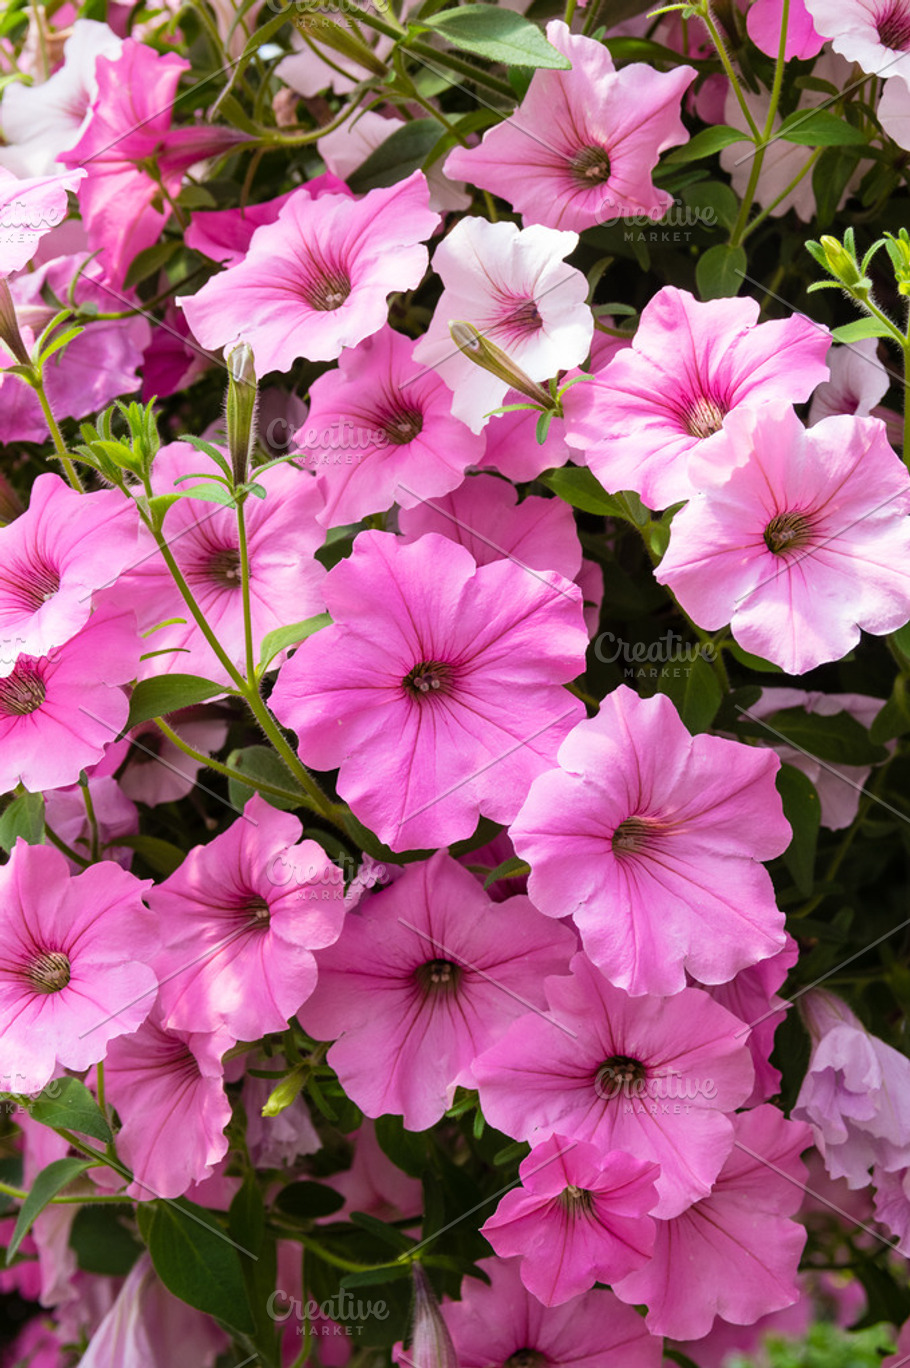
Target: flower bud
{"type": "Point", "coordinates": [242, 401]}
{"type": "Point", "coordinates": [9, 326]}
{"type": "Point", "coordinates": [485, 353]}
{"type": "Point", "coordinates": [285, 1092]}
{"type": "Point", "coordinates": [431, 1343]}
{"type": "Point", "coordinates": [842, 264]}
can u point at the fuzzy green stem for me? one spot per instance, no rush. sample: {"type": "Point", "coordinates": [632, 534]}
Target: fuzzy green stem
{"type": "Point", "coordinates": [37, 384]}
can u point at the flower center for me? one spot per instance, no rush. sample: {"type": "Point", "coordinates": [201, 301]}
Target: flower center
{"type": "Point", "coordinates": [525, 317]}
{"type": "Point", "coordinates": [526, 1358]}
{"type": "Point", "coordinates": [50, 972]}
{"type": "Point", "coordinates": [893, 27]}
{"type": "Point", "coordinates": [258, 909]}
{"type": "Point", "coordinates": [787, 532]}
{"type": "Point", "coordinates": [38, 583]}
{"type": "Point", "coordinates": [326, 289]}
{"type": "Point", "coordinates": [224, 567]}
{"type": "Point", "coordinates": [440, 977]}
{"type": "Point", "coordinates": [402, 427]}
{"type": "Point", "coordinates": [591, 166]}
{"type": "Point", "coordinates": [576, 1200]}
{"type": "Point", "coordinates": [619, 1074]}
{"type": "Point", "coordinates": [428, 679]}
{"type": "Point", "coordinates": [703, 417]}
{"type": "Point", "coordinates": [23, 691]}
{"type": "Point", "coordinates": [631, 837]}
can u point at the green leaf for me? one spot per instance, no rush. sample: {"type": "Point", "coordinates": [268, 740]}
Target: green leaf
{"type": "Point", "coordinates": [168, 693]}
{"type": "Point", "coordinates": [860, 329]}
{"type": "Point", "coordinates": [513, 868]}
{"type": "Point", "coordinates": [161, 856]}
{"type": "Point", "coordinates": [713, 201]}
{"type": "Point", "coordinates": [48, 1183]}
{"type": "Point", "coordinates": [894, 718]}
{"type": "Point", "coordinates": [389, 1233]}
{"type": "Point", "coordinates": [209, 492]}
{"type": "Point", "coordinates": [308, 1201]}
{"type": "Point", "coordinates": [260, 762]}
{"type": "Point", "coordinates": [198, 1262]}
{"type": "Point", "coordinates": [499, 35]}
{"type": "Point", "coordinates": [576, 485]}
{"type": "Point", "coordinates": [65, 1102]}
{"type": "Point", "coordinates": [393, 160]}
{"type": "Point", "coordinates": [694, 689]}
{"type": "Point", "coordinates": [150, 261]}
{"type": "Point", "coordinates": [247, 1225]}
{"type": "Point", "coordinates": [901, 639]}
{"type": "Point", "coordinates": [374, 1277]}
{"type": "Point", "coordinates": [705, 144]}
{"type": "Point", "coordinates": [102, 1242]}
{"type": "Point", "coordinates": [406, 1149]}
{"type": "Point", "coordinates": [838, 740]}
{"type": "Point", "coordinates": [282, 637]}
{"type": "Point", "coordinates": [751, 662]}
{"type": "Point", "coordinates": [819, 128]}
{"type": "Point", "coordinates": [719, 271]}
{"type": "Point", "coordinates": [802, 810]}
{"type": "Point", "coordinates": [24, 817]}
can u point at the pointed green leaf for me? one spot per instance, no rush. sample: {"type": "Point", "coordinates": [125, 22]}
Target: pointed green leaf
{"type": "Point", "coordinates": [167, 693]}
{"type": "Point", "coordinates": [499, 35]}
{"type": "Point", "coordinates": [48, 1183]}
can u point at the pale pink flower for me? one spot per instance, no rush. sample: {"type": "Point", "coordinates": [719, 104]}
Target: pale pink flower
{"type": "Point", "coordinates": [374, 1183]}
{"type": "Point", "coordinates": [581, 148]}
{"type": "Point", "coordinates": [579, 1217]}
{"type": "Point", "coordinates": [514, 287]}
{"type": "Point", "coordinates": [40, 121]}
{"type": "Point", "coordinates": [651, 839]}
{"type": "Point", "coordinates": [341, 259]}
{"type": "Point", "coordinates": [425, 975]}
{"type": "Point", "coordinates": [285, 579]}
{"type": "Point", "coordinates": [873, 33]}
{"type": "Point", "coordinates": [29, 209]}
{"type": "Point", "coordinates": [502, 1323]}
{"type": "Point", "coordinates": [735, 1253]}
{"type": "Point", "coordinates": [240, 920]}
{"type": "Point", "coordinates": [59, 712]}
{"type": "Point", "coordinates": [764, 22]}
{"type": "Point", "coordinates": [438, 689]}
{"type": "Point", "coordinates": [654, 419]}
{"type": "Point", "coordinates": [53, 557]}
{"type": "Point", "coordinates": [892, 1205]}
{"type": "Point", "coordinates": [346, 148]}
{"type": "Point", "coordinates": [148, 1325]}
{"type": "Point", "coordinates": [115, 816]}
{"type": "Point", "coordinates": [158, 771]}
{"type": "Point", "coordinates": [651, 1076]}
{"type": "Point", "coordinates": [856, 1093]}
{"type": "Point", "coordinates": [75, 970]}
{"type": "Point", "coordinates": [858, 383]}
{"type": "Point", "coordinates": [902, 1357]}
{"type": "Point", "coordinates": [380, 431]}
{"type": "Point", "coordinates": [274, 1142]}
{"type": "Point", "coordinates": [805, 544]}
{"type": "Point", "coordinates": [894, 109]}
{"type": "Point", "coordinates": [167, 1088]}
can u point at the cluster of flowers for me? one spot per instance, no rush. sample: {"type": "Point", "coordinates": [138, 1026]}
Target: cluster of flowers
{"type": "Point", "coordinates": [617, 1011]}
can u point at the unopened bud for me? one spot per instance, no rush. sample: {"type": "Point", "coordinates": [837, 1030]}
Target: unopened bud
{"type": "Point", "coordinates": [285, 1092]}
{"type": "Point", "coordinates": [9, 326]}
{"type": "Point", "coordinates": [242, 401]}
{"type": "Point", "coordinates": [321, 28]}
{"type": "Point", "coordinates": [485, 353]}
{"type": "Point", "coordinates": [431, 1343]}
{"type": "Point", "coordinates": [841, 263]}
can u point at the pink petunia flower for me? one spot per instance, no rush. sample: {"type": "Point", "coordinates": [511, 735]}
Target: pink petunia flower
{"type": "Point", "coordinates": [340, 260]}
{"type": "Point", "coordinates": [347, 148]}
{"type": "Point", "coordinates": [874, 35]}
{"type": "Point", "coordinates": [764, 22]}
{"type": "Point", "coordinates": [425, 975]}
{"type": "Point", "coordinates": [129, 130]}
{"type": "Point", "coordinates": [148, 1325]}
{"type": "Point", "coordinates": [438, 688]}
{"type": "Point", "coordinates": [225, 234]}
{"type": "Point", "coordinates": [380, 431]}
{"type": "Point", "coordinates": [579, 1217]}
{"type": "Point", "coordinates": [158, 771]}
{"type": "Point", "coordinates": [374, 1183]}
{"type": "Point", "coordinates": [240, 920]}
{"type": "Point", "coordinates": [114, 816]}
{"type": "Point", "coordinates": [651, 838]}
{"type": "Point", "coordinates": [858, 383]}
{"type": "Point", "coordinates": [167, 1087]}
{"type": "Point", "coordinates": [285, 579]}
{"type": "Point", "coordinates": [805, 543]}
{"type": "Point", "coordinates": [651, 1076]}
{"type": "Point", "coordinates": [29, 209]}
{"type": "Point", "coordinates": [513, 286]}
{"type": "Point", "coordinates": [654, 418]}
{"type": "Point", "coordinates": [752, 996]}
{"type": "Point", "coordinates": [75, 965]}
{"type": "Point", "coordinates": [735, 1253]}
{"type": "Point", "coordinates": [504, 1324]}
{"type": "Point", "coordinates": [52, 558]}
{"type": "Point", "coordinates": [581, 148]}
{"type": "Point", "coordinates": [59, 712]}
{"type": "Point", "coordinates": [856, 1093]}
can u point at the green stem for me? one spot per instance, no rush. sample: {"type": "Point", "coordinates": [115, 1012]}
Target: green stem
{"type": "Point", "coordinates": [763, 139]}
{"type": "Point", "coordinates": [906, 447]}
{"type": "Point", "coordinates": [86, 1199]}
{"type": "Point", "coordinates": [37, 384]}
{"type": "Point", "coordinates": [727, 65]}
{"type": "Point", "coordinates": [335, 812]}
{"type": "Point", "coordinates": [466, 69]}
{"type": "Point", "coordinates": [260, 785]}
{"type": "Point", "coordinates": [66, 849]}
{"type": "Point", "coordinates": [245, 593]}
{"type": "Point", "coordinates": [95, 844]}
{"type": "Point", "coordinates": [760, 218]}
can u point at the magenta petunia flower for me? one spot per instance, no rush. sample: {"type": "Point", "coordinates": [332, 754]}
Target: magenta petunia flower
{"type": "Point", "coordinates": [805, 543]}
{"type": "Point", "coordinates": [240, 920]}
{"type": "Point", "coordinates": [483, 515]}
{"type": "Point", "coordinates": [340, 260]}
{"type": "Point", "coordinates": [285, 579]}
{"type": "Point", "coordinates": [652, 420]}
{"type": "Point", "coordinates": [59, 712]}
{"type": "Point", "coordinates": [29, 208]}
{"type": "Point", "coordinates": [514, 287]}
{"type": "Point", "coordinates": [75, 964]}
{"type": "Point", "coordinates": [225, 234]}
{"type": "Point", "coordinates": [873, 33]}
{"type": "Point", "coordinates": [651, 838]}
{"type": "Point", "coordinates": [579, 1217]}
{"type": "Point", "coordinates": [380, 431]}
{"type": "Point", "coordinates": [425, 975]}
{"type": "Point", "coordinates": [651, 1076]}
{"type": "Point", "coordinates": [735, 1253]}
{"type": "Point", "coordinates": [581, 148]}
{"type": "Point", "coordinates": [167, 1088]}
{"type": "Point", "coordinates": [502, 1323]}
{"type": "Point", "coordinates": [765, 20]}
{"type": "Point", "coordinates": [438, 690]}
{"type": "Point", "coordinates": [856, 1093]}
{"type": "Point", "coordinates": [52, 558]}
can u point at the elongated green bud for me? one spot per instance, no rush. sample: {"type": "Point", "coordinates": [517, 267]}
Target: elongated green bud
{"type": "Point", "coordinates": [242, 402]}
{"type": "Point", "coordinates": [485, 353]}
{"type": "Point", "coordinates": [9, 326]}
